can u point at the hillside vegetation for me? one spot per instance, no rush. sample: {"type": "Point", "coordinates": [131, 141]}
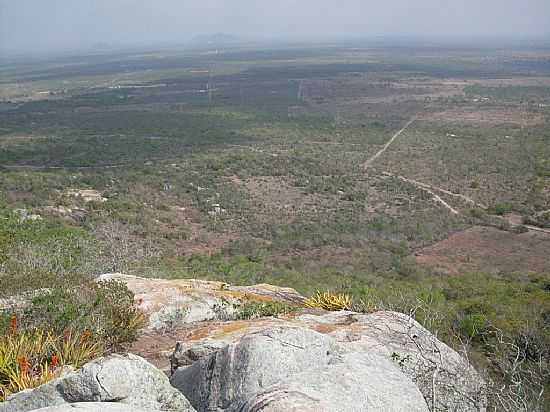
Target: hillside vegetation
{"type": "Point", "coordinates": [273, 166]}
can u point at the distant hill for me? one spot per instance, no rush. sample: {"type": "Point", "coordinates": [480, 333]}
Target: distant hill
{"type": "Point", "coordinates": [214, 40]}
{"type": "Point", "coordinates": [101, 46]}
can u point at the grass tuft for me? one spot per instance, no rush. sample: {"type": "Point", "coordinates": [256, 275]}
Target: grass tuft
{"type": "Point", "coordinates": [329, 301]}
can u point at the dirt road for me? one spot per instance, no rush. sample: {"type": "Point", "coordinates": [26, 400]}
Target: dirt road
{"type": "Point", "coordinates": [425, 188]}
{"type": "Point", "coordinates": [369, 162]}
{"type": "Point", "coordinates": [428, 187]}
{"type": "Point", "coordinates": [432, 189]}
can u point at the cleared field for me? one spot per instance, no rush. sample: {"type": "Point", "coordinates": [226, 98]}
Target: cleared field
{"type": "Point", "coordinates": [482, 115]}
{"type": "Point", "coordinates": [489, 250]}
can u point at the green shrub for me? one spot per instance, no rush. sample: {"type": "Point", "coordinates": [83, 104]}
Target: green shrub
{"type": "Point", "coordinates": [500, 209]}
{"type": "Point", "coordinates": [254, 310]}
{"type": "Point", "coordinates": [519, 229]}
{"type": "Point", "coordinates": [473, 325]}
{"type": "Point", "coordinates": [105, 308]}
{"type": "Point", "coordinates": [42, 254]}
{"type": "Point", "coordinates": [247, 309]}
{"type": "Point", "coordinates": [477, 213]}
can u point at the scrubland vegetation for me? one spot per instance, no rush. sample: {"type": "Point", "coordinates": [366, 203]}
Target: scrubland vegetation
{"type": "Point", "coordinates": [262, 180]}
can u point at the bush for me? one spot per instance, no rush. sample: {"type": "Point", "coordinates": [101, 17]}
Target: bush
{"type": "Point", "coordinates": [106, 308]}
{"type": "Point", "coordinates": [64, 326]}
{"type": "Point", "coordinates": [473, 325]}
{"type": "Point", "coordinates": [519, 229]}
{"type": "Point", "coordinates": [254, 310]}
{"type": "Point", "coordinates": [245, 309]}
{"type": "Point", "coordinates": [477, 213]}
{"type": "Point", "coordinates": [500, 209]}
{"type": "Point", "coordinates": [41, 254]}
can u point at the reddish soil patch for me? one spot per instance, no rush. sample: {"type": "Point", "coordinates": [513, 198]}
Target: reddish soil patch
{"type": "Point", "coordinates": [325, 328]}
{"type": "Point", "coordinates": [156, 348]}
{"type": "Point", "coordinates": [488, 249]}
{"type": "Point", "coordinates": [488, 116]}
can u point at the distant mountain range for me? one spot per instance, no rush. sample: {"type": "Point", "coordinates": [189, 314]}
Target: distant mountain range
{"type": "Point", "coordinates": [216, 39]}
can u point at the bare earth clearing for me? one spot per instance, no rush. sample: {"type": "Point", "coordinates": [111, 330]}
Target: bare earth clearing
{"type": "Point", "coordinates": [489, 116]}
{"type": "Point", "coordinates": [488, 249]}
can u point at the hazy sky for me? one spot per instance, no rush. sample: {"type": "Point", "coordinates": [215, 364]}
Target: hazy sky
{"type": "Point", "coordinates": [42, 25]}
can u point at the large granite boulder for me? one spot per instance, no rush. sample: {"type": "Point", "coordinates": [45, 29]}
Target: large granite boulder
{"type": "Point", "coordinates": [445, 379]}
{"type": "Point", "coordinates": [125, 379]}
{"type": "Point", "coordinates": [296, 369]}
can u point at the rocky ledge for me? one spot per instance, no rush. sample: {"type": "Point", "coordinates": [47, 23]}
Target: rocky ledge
{"type": "Point", "coordinates": [307, 360]}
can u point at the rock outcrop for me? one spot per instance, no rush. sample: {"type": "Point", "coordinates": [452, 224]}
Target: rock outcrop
{"type": "Point", "coordinates": [172, 303]}
{"type": "Point", "coordinates": [296, 369]}
{"type": "Point", "coordinates": [385, 346]}
{"type": "Point", "coordinates": [87, 195]}
{"type": "Point", "coordinates": [444, 378]}
{"type": "Point", "coordinates": [125, 379]}
{"type": "Point", "coordinates": [307, 360]}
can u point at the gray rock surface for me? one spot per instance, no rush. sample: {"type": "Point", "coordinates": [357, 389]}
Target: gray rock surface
{"type": "Point", "coordinates": [184, 356]}
{"type": "Point", "coordinates": [94, 407]}
{"type": "Point", "coordinates": [447, 381]}
{"type": "Point", "coordinates": [126, 379]}
{"type": "Point", "coordinates": [296, 369]}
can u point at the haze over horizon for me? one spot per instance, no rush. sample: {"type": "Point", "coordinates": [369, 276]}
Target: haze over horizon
{"type": "Point", "coordinates": [31, 26]}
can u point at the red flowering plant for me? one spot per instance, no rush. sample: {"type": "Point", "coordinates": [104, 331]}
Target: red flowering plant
{"type": "Point", "coordinates": [30, 358]}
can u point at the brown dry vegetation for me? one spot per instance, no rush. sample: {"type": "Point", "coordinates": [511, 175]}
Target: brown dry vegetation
{"type": "Point", "coordinates": [474, 115]}
{"type": "Point", "coordinates": [489, 250]}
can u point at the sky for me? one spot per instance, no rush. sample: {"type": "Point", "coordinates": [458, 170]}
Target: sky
{"type": "Point", "coordinates": [54, 25]}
